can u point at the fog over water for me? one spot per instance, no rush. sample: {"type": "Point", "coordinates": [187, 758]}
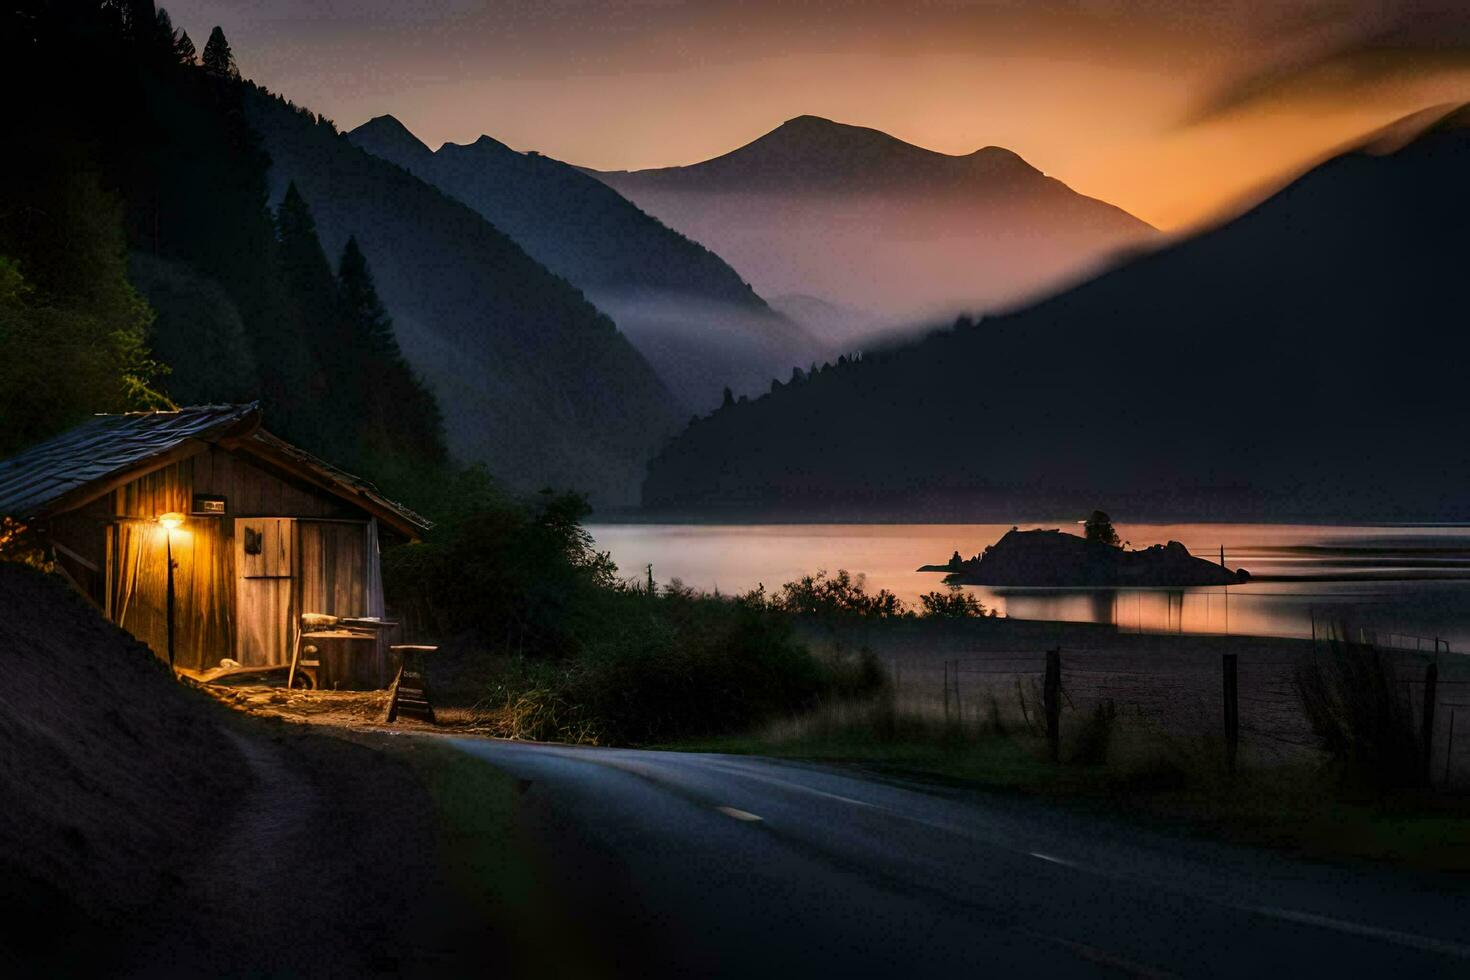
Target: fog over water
{"type": "Point", "coordinates": [1410, 581]}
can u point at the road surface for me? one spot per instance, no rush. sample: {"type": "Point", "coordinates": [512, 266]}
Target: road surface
{"type": "Point", "coordinates": [711, 865]}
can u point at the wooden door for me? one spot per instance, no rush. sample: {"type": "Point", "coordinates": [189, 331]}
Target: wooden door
{"type": "Point", "coordinates": [332, 578]}
{"type": "Point", "coordinates": [264, 552]}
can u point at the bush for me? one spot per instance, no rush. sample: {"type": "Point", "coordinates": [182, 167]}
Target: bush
{"type": "Point", "coordinates": [1359, 716]}
{"type": "Point", "coordinates": [956, 603]}
{"type": "Point", "coordinates": [581, 656]}
{"type": "Point", "coordinates": [841, 596]}
{"type": "Point", "coordinates": [521, 575]}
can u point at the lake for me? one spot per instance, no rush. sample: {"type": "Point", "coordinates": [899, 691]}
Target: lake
{"type": "Point", "coordinates": [1408, 584]}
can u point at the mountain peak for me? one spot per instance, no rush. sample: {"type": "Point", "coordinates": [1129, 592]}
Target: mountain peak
{"type": "Point", "coordinates": [385, 136]}
{"type": "Point", "coordinates": [808, 151]}
{"type": "Point", "coordinates": [827, 134]}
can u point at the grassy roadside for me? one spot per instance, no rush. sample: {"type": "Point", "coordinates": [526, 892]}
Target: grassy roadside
{"type": "Point", "coordinates": [1298, 808]}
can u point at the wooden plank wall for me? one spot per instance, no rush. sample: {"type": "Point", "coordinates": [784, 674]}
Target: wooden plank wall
{"type": "Point", "coordinates": [203, 580]}
{"type": "Point", "coordinates": [251, 491]}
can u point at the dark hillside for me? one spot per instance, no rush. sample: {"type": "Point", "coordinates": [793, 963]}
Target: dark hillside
{"type": "Point", "coordinates": [572, 223]}
{"type": "Point", "coordinates": [112, 774]}
{"type": "Point", "coordinates": [532, 379]}
{"type": "Point", "coordinates": [148, 830]}
{"type": "Point", "coordinates": [1285, 363]}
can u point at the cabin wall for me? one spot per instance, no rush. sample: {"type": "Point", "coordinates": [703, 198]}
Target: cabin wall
{"type": "Point", "coordinates": [252, 490]}
{"type": "Point", "coordinates": [82, 547]}
{"type": "Point", "coordinates": [119, 536]}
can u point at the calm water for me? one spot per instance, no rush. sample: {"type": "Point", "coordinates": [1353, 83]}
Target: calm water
{"type": "Point", "coordinates": [1413, 582]}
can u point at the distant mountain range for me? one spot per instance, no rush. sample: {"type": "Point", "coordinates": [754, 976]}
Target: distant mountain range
{"type": "Point", "coordinates": [699, 324]}
{"type": "Point", "coordinates": [534, 381]}
{"type": "Point", "coordinates": [856, 217]}
{"type": "Point", "coordinates": [1304, 360]}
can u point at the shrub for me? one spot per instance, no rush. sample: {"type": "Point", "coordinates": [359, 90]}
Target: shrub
{"type": "Point", "coordinates": [1094, 735]}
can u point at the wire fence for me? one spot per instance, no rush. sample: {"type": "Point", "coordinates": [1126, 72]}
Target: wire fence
{"type": "Point", "coordinates": [1181, 697]}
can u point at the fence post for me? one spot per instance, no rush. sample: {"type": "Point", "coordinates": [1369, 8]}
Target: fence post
{"type": "Point", "coordinates": [1232, 712]}
{"type": "Point", "coordinates": [1449, 751]}
{"type": "Point", "coordinates": [959, 705]}
{"type": "Point", "coordinates": [1051, 698]}
{"type": "Point", "coordinates": [946, 692]}
{"type": "Point", "coordinates": [1431, 686]}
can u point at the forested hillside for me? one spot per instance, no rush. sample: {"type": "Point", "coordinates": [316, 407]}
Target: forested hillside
{"type": "Point", "coordinates": [533, 380]}
{"type": "Point", "coordinates": [700, 325]}
{"type": "Point", "coordinates": [1283, 364]}
{"type": "Point", "coordinates": [142, 262]}
{"type": "Point", "coordinates": [170, 232]}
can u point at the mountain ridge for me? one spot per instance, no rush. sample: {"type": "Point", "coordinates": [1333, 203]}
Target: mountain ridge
{"type": "Point", "coordinates": [696, 319]}
{"type": "Point", "coordinates": [860, 218]}
{"type": "Point", "coordinates": [834, 153]}
{"type": "Point", "coordinates": [1269, 367]}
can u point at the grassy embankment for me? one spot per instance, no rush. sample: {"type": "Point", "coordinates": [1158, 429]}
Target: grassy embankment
{"type": "Point", "coordinates": [1352, 803]}
{"type": "Point", "coordinates": [1297, 808]}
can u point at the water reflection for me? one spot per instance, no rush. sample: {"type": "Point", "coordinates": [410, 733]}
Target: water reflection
{"type": "Point", "coordinates": [1412, 582]}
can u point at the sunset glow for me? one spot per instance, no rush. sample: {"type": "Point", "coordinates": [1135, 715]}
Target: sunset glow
{"type": "Point", "coordinates": [1171, 111]}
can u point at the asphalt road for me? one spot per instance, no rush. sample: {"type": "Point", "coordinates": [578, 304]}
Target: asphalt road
{"type": "Point", "coordinates": [710, 865]}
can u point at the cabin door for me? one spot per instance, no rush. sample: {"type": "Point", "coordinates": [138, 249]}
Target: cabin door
{"type": "Point", "coordinates": [264, 563]}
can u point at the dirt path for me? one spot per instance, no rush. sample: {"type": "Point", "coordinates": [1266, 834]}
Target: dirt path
{"type": "Point", "coordinates": [326, 867]}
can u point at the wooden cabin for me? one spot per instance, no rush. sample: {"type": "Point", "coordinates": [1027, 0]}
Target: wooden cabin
{"type": "Point", "coordinates": [259, 531]}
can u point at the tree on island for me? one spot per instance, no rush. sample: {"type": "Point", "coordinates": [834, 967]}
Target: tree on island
{"type": "Point", "coordinates": [218, 58]}
{"type": "Point", "coordinates": [1099, 528]}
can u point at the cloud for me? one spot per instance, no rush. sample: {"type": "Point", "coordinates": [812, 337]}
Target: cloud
{"type": "Point", "coordinates": [1333, 51]}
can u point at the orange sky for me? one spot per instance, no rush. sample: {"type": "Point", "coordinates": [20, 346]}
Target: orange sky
{"type": "Point", "coordinates": [1171, 109]}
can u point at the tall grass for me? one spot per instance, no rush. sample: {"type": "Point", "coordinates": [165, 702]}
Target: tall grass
{"type": "Point", "coordinates": [1360, 716]}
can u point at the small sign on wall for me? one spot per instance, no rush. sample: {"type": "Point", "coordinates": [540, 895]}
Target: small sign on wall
{"type": "Point", "coordinates": [208, 504]}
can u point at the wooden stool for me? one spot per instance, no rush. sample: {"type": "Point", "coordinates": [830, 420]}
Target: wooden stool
{"type": "Point", "coordinates": [409, 696]}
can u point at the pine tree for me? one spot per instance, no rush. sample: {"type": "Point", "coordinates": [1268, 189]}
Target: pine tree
{"type": "Point", "coordinates": [218, 58]}
{"type": "Point", "coordinates": [373, 329]}
{"type": "Point", "coordinates": [300, 363]}
{"type": "Point", "coordinates": [401, 419]}
{"type": "Point", "coordinates": [184, 48]}
{"type": "Point", "coordinates": [165, 38]}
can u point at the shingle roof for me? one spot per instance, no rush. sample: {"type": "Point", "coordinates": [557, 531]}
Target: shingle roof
{"type": "Point", "coordinates": [102, 447]}
{"type": "Point", "coordinates": [55, 474]}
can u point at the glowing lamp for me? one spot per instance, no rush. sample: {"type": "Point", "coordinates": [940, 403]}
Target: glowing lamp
{"type": "Point", "coordinates": [171, 520]}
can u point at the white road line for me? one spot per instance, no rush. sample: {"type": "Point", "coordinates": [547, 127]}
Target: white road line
{"type": "Point", "coordinates": [1426, 943]}
{"type": "Point", "coordinates": [1053, 860]}
{"type": "Point", "coordinates": [730, 811]}
{"type": "Point", "coordinates": [799, 787]}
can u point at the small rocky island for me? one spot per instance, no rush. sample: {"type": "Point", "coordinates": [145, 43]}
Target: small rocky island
{"type": "Point", "coordinates": [1053, 559]}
